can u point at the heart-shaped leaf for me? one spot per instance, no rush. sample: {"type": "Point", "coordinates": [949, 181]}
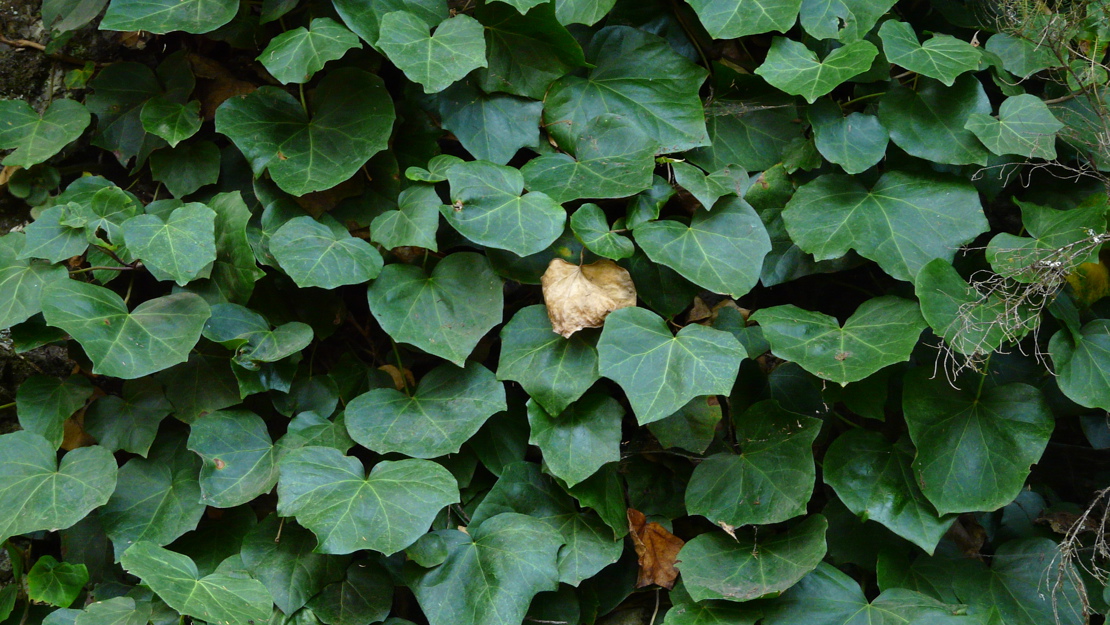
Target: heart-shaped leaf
{"type": "Point", "coordinates": [881, 332]}
{"type": "Point", "coordinates": [414, 223]}
{"type": "Point", "coordinates": [235, 270]}
{"type": "Point", "coordinates": [1082, 364]}
{"type": "Point", "coordinates": [855, 142]}
{"type": "Point", "coordinates": [279, 553]}
{"type": "Point", "coordinates": [523, 488]}
{"type": "Point", "coordinates": [173, 121]}
{"type": "Point", "coordinates": [730, 20]}
{"type": "Point", "coordinates": [492, 127]}
{"type": "Point", "coordinates": [685, 611]}
{"type": "Point", "coordinates": [612, 158]}
{"type": "Point", "coordinates": [748, 134]}
{"type": "Point", "coordinates": [526, 52]}
{"type": "Point", "coordinates": [874, 480]}
{"type": "Point", "coordinates": [163, 16]}
{"type": "Point", "coordinates": [314, 254]}
{"type": "Point", "coordinates": [240, 461]}
{"type": "Point", "coordinates": [592, 228]}
{"type": "Point", "coordinates": [22, 281]}
{"type": "Point", "coordinates": [553, 370]}
{"type": "Point", "coordinates": [249, 335]}
{"type": "Point", "coordinates": [660, 372]}
{"type": "Point", "coordinates": [930, 122]}
{"type": "Point", "coordinates": [365, 18]}
{"type": "Point", "coordinates": [158, 334]}
{"type": "Point", "coordinates": [770, 481]}
{"type": "Point", "coordinates": [56, 583]}
{"type": "Point", "coordinates": [795, 69]}
{"type": "Point", "coordinates": [488, 208]}
{"type": "Point", "coordinates": [177, 248]}
{"type": "Point", "coordinates": [39, 493]}
{"type": "Point", "coordinates": [158, 498]}
{"type": "Point", "coordinates": [388, 510]}
{"type": "Point", "coordinates": [43, 404]}
{"type": "Point", "coordinates": [296, 54]}
{"type": "Point", "coordinates": [365, 595]}
{"type": "Point", "coordinates": [38, 137]}
{"type": "Point", "coordinates": [352, 118]}
{"type": "Point", "coordinates": [708, 188]}
{"type": "Point", "coordinates": [445, 313]}
{"type": "Point", "coordinates": [745, 567]}
{"type": "Point", "coordinates": [692, 428]}
{"type": "Point", "coordinates": [48, 238]}
{"type": "Point", "coordinates": [721, 250]}
{"type": "Point", "coordinates": [579, 440]}
{"type": "Point", "coordinates": [975, 444]}
{"type": "Point", "coordinates": [490, 574]}
{"type": "Point", "coordinates": [942, 57]}
{"type": "Point", "coordinates": [903, 222]}
{"type": "Point", "coordinates": [448, 407]}
{"type": "Point", "coordinates": [437, 60]}
{"type": "Point", "coordinates": [637, 76]}
{"type": "Point", "coordinates": [222, 598]}
{"type": "Point", "coordinates": [1025, 127]}
{"type": "Point", "coordinates": [129, 423]}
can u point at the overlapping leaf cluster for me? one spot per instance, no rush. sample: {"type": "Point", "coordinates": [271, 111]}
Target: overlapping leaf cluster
{"type": "Point", "coordinates": [318, 384]}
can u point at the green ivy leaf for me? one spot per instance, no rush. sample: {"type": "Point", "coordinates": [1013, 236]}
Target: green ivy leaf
{"type": "Point", "coordinates": [717, 566]}
{"type": "Point", "coordinates": [721, 250]}
{"type": "Point", "coordinates": [707, 189]}
{"type": "Point", "coordinates": [39, 493]}
{"type": "Point", "coordinates": [115, 611]}
{"type": "Point", "coordinates": [846, 21]}
{"type": "Point", "coordinates": [445, 313]}
{"type": "Point", "coordinates": [279, 553]}
{"type": "Point", "coordinates": [38, 137]}
{"type": "Point", "coordinates": [795, 69]}
{"type": "Point", "coordinates": [239, 458]}
{"type": "Point", "coordinates": [881, 332]}
{"type": "Point", "coordinates": [731, 20]}
{"type": "Point", "coordinates": [414, 223]}
{"type": "Point", "coordinates": [435, 61]}
{"type": "Point", "coordinates": [22, 281]}
{"type": "Point", "coordinates": [119, 93]}
{"type": "Point", "coordinates": [874, 480]}
{"type": "Point", "coordinates": [522, 488]}
{"type": "Point", "coordinates": [942, 57]}
{"type": "Point", "coordinates": [106, 208]}
{"type": "Point", "coordinates": [637, 76]}
{"type": "Point", "coordinates": [436, 171]}
{"type": "Point", "coordinates": [1020, 56]}
{"type": "Point", "coordinates": [856, 142]}
{"type": "Point", "coordinates": [592, 228]}
{"type": "Point", "coordinates": [163, 16]}
{"type": "Point", "coordinates": [749, 134]}
{"type": "Point", "coordinates": [295, 55]}
{"type": "Point", "coordinates": [974, 445]}
{"type": "Point", "coordinates": [660, 372]}
{"type": "Point", "coordinates": [56, 583]}
{"type": "Point", "coordinates": [43, 404]}
{"type": "Point", "coordinates": [203, 384]}
{"type": "Point", "coordinates": [323, 255]}
{"type": "Point", "coordinates": [130, 422]}
{"type": "Point", "coordinates": [488, 208]}
{"type": "Point", "coordinates": [902, 223]}
{"type": "Point", "coordinates": [158, 334]}
{"type": "Point", "coordinates": [829, 596]}
{"type": "Point", "coordinates": [692, 428]}
{"type": "Point", "coordinates": [1082, 364]}
{"type": "Point", "coordinates": [172, 121]}
{"type": "Point", "coordinates": [234, 271]}
{"type": "Point", "coordinates": [331, 495]}
{"type": "Point", "coordinates": [929, 123]}
{"type": "Point", "coordinates": [686, 611]}
{"type": "Point", "coordinates": [612, 159]}
{"type": "Point", "coordinates": [492, 127]}
{"type": "Point", "coordinates": [1025, 127]}
{"type": "Point", "coordinates": [526, 52]}
{"type": "Point", "coordinates": [579, 440]}
{"type": "Point", "coordinates": [186, 168]}
{"type": "Point", "coordinates": [248, 333]}
{"type": "Point", "coordinates": [158, 498]}
{"type": "Point", "coordinates": [365, 595]}
{"type": "Point", "coordinates": [352, 118]}
{"type": "Point", "coordinates": [1015, 587]}
{"type": "Point", "coordinates": [769, 482]}
{"type": "Point", "coordinates": [490, 574]}
{"type": "Point", "coordinates": [177, 248]}
{"type": "Point", "coordinates": [587, 12]}
{"type": "Point", "coordinates": [223, 598]}
{"type": "Point", "coordinates": [553, 370]}
{"type": "Point", "coordinates": [447, 408]}
{"type": "Point", "coordinates": [48, 238]}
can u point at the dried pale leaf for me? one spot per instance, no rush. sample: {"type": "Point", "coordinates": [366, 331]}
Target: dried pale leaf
{"type": "Point", "coordinates": [728, 303]}
{"type": "Point", "coordinates": [581, 296]}
{"type": "Point", "coordinates": [400, 383]}
{"type": "Point", "coordinates": [698, 312]}
{"type": "Point", "coordinates": [657, 550]}
{"type": "Point", "coordinates": [74, 434]}
{"type": "Point", "coordinates": [6, 174]}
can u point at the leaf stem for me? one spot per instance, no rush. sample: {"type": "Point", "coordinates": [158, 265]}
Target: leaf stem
{"type": "Point", "coordinates": [8, 405]}
{"type": "Point", "coordinates": [400, 366]}
{"type": "Point", "coordinates": [300, 89]}
{"type": "Point", "coordinates": [88, 269]}
{"type": "Point", "coordinates": [861, 98]}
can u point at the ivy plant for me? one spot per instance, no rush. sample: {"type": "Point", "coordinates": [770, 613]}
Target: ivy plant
{"type": "Point", "coordinates": [760, 312]}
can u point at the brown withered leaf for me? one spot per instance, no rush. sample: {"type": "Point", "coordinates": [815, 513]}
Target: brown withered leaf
{"type": "Point", "coordinates": [6, 174]}
{"type": "Point", "coordinates": [399, 382]}
{"type": "Point", "coordinates": [657, 550]}
{"type": "Point", "coordinates": [319, 202]}
{"type": "Point", "coordinates": [581, 296]}
{"type": "Point", "coordinates": [698, 312]}
{"type": "Point", "coordinates": [215, 84]}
